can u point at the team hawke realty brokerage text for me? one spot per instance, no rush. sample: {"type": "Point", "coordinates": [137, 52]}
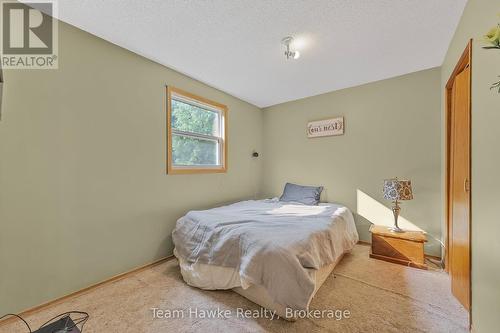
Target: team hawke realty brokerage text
{"type": "Point", "coordinates": [218, 313]}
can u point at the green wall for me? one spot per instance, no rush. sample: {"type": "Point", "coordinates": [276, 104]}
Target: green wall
{"type": "Point", "coordinates": [83, 190]}
{"type": "Point", "coordinates": [392, 128]}
{"type": "Point", "coordinates": [479, 16]}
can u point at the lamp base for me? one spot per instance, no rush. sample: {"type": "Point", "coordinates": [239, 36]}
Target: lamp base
{"type": "Point", "coordinates": [395, 210]}
{"type": "Point", "coordinates": [396, 229]}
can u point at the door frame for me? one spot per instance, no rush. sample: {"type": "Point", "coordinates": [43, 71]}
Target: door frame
{"type": "Point", "coordinates": [464, 62]}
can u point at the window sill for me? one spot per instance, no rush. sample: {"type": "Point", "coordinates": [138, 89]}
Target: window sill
{"type": "Point", "coordinates": [188, 171]}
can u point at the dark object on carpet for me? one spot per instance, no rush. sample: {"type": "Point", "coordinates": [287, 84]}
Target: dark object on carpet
{"type": "Point", "coordinates": [63, 325]}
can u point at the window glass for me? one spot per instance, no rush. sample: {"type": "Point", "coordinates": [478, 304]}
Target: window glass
{"type": "Point", "coordinates": [193, 151]}
{"type": "Point", "coordinates": [190, 118]}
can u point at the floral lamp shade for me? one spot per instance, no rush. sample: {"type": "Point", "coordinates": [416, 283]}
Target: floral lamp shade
{"type": "Point", "coordinates": [395, 189]}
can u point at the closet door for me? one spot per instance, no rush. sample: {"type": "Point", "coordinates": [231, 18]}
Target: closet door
{"type": "Point", "coordinates": [459, 233]}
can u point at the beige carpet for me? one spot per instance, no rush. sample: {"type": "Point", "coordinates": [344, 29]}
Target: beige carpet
{"type": "Point", "coordinates": [381, 297]}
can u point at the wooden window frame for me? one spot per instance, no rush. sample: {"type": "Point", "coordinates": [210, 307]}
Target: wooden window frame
{"type": "Point", "coordinates": [173, 170]}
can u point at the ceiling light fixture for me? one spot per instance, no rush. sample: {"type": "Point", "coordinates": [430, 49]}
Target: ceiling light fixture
{"type": "Point", "coordinates": [290, 52]}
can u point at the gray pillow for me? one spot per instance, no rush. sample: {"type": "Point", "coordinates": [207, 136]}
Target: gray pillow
{"type": "Point", "coordinates": [308, 195]}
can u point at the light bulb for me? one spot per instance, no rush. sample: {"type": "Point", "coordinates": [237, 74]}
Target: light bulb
{"type": "Point", "coordinates": [296, 55]}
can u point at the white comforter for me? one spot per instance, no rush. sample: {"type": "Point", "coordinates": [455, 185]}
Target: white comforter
{"type": "Point", "coordinates": [269, 243]}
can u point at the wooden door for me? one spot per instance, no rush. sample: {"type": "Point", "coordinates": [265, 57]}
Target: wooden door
{"type": "Point", "coordinates": [459, 233]}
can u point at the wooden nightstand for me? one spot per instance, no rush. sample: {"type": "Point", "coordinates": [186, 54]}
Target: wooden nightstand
{"type": "Point", "coordinates": [405, 248]}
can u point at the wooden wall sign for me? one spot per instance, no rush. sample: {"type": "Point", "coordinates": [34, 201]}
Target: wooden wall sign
{"type": "Point", "coordinates": [327, 127]}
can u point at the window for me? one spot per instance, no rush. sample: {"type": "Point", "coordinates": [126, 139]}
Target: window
{"type": "Point", "coordinates": [196, 134]}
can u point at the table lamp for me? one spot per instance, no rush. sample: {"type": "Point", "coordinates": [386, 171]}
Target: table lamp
{"type": "Point", "coordinates": [397, 190]}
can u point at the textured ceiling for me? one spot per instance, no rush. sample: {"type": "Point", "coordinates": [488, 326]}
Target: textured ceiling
{"type": "Point", "coordinates": [234, 45]}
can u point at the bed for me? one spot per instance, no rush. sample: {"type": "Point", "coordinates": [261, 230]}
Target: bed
{"type": "Point", "coordinates": [276, 254]}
